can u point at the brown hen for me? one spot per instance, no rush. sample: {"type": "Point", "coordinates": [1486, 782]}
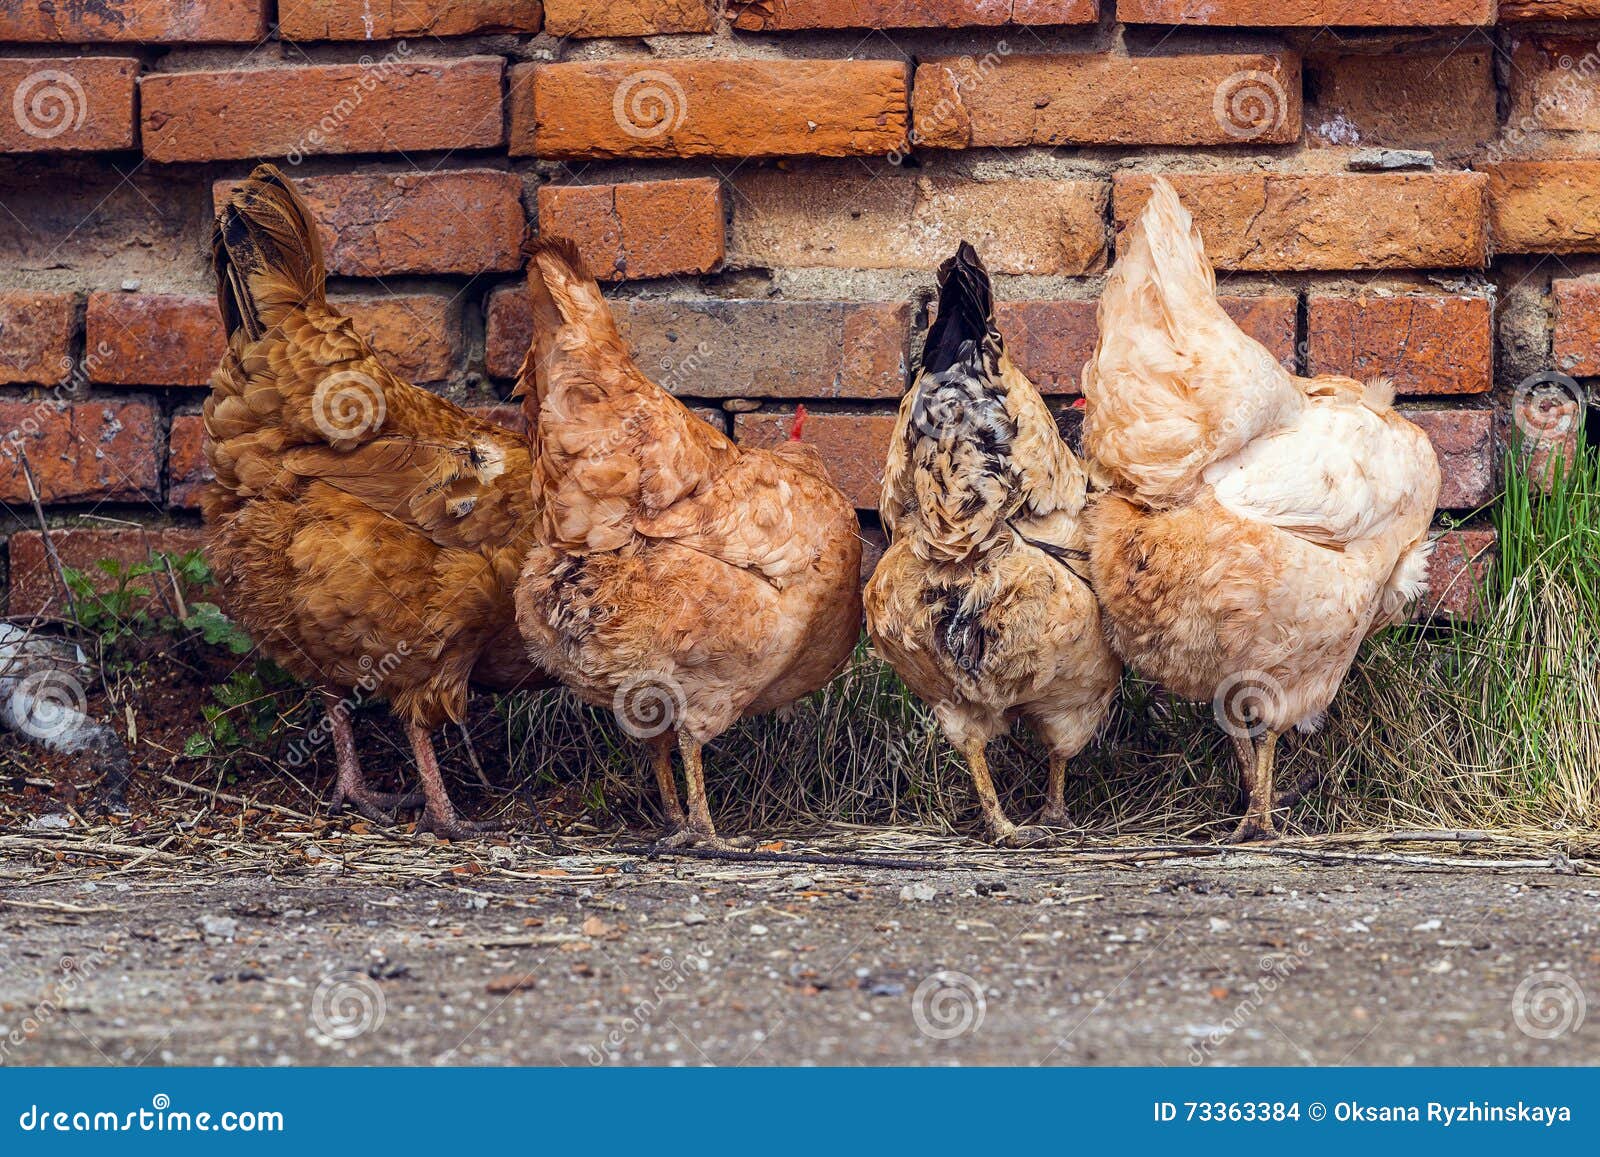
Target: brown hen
{"type": "Point", "coordinates": [1259, 525]}
{"type": "Point", "coordinates": [680, 579]}
{"type": "Point", "coordinates": [366, 532]}
{"type": "Point", "coordinates": [981, 603]}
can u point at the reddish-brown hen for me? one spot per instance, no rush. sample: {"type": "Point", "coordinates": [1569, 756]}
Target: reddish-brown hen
{"type": "Point", "coordinates": [366, 532]}
{"type": "Point", "coordinates": [679, 579]}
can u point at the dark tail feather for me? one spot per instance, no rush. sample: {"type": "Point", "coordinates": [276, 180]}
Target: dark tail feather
{"type": "Point", "coordinates": [966, 311]}
{"type": "Point", "coordinates": [266, 254]}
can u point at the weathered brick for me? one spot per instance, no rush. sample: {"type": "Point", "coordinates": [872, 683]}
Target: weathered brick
{"type": "Point", "coordinates": [34, 587]}
{"type": "Point", "coordinates": [638, 229]}
{"type": "Point", "coordinates": [853, 446]}
{"type": "Point", "coordinates": [1545, 206]}
{"type": "Point", "coordinates": [468, 221]}
{"type": "Point", "coordinates": [1463, 440]}
{"type": "Point", "coordinates": [792, 15]}
{"type": "Point", "coordinates": [187, 467]}
{"type": "Point", "coordinates": [847, 220]}
{"type": "Point", "coordinates": [409, 106]}
{"type": "Point", "coordinates": [1456, 572]}
{"type": "Point", "coordinates": [77, 104]}
{"type": "Point", "coordinates": [391, 19]}
{"type": "Point", "coordinates": [1102, 99]}
{"type": "Point", "coordinates": [1511, 10]}
{"type": "Point", "coordinates": [1549, 87]}
{"type": "Point", "coordinates": [1576, 345]}
{"type": "Point", "coordinates": [153, 339]}
{"type": "Point", "coordinates": [1424, 344]}
{"type": "Point", "coordinates": [708, 108]}
{"type": "Point", "coordinates": [1051, 340]}
{"type": "Point", "coordinates": [124, 21]}
{"type": "Point", "coordinates": [79, 451]}
{"type": "Point", "coordinates": [1311, 13]}
{"type": "Point", "coordinates": [586, 18]}
{"type": "Point", "coordinates": [716, 348]}
{"type": "Point", "coordinates": [35, 336]}
{"type": "Point", "coordinates": [1441, 101]}
{"type": "Point", "coordinates": [1269, 221]}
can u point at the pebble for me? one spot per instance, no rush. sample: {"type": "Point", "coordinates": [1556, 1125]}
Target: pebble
{"type": "Point", "coordinates": [919, 891]}
{"type": "Point", "coordinates": [219, 927]}
{"type": "Point", "coordinates": [1388, 160]}
{"type": "Point", "coordinates": [49, 820]}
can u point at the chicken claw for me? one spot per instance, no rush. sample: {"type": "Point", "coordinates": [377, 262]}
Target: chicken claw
{"type": "Point", "coordinates": [439, 814]}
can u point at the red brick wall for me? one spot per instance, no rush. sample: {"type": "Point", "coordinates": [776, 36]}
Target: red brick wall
{"type": "Point", "coordinates": [767, 185]}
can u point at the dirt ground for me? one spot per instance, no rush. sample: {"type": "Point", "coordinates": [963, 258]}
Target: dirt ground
{"type": "Point", "coordinates": [348, 951]}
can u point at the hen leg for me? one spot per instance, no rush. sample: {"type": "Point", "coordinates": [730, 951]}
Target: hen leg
{"type": "Point", "coordinates": [1244, 750]}
{"type": "Point", "coordinates": [351, 787]}
{"type": "Point", "coordinates": [439, 816]}
{"type": "Point", "coordinates": [698, 830]}
{"type": "Point", "coordinates": [661, 760]}
{"type": "Point", "coordinates": [1257, 822]}
{"type": "Point", "coordinates": [1001, 830]}
{"type": "Point", "coordinates": [1054, 813]}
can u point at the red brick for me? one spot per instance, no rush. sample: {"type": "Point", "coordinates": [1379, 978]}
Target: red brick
{"type": "Point", "coordinates": [187, 467]}
{"type": "Point", "coordinates": [1463, 440]}
{"type": "Point", "coordinates": [845, 220]}
{"type": "Point", "coordinates": [639, 229]}
{"type": "Point", "coordinates": [1545, 206]}
{"type": "Point", "coordinates": [78, 104]}
{"type": "Point", "coordinates": [586, 18]}
{"type": "Point", "coordinates": [1511, 10]}
{"type": "Point", "coordinates": [392, 19]}
{"type": "Point", "coordinates": [1442, 101]}
{"type": "Point", "coordinates": [153, 339]}
{"type": "Point", "coordinates": [34, 587]}
{"type": "Point", "coordinates": [469, 221]}
{"type": "Point", "coordinates": [35, 336]}
{"type": "Point", "coordinates": [1051, 340]}
{"type": "Point", "coordinates": [411, 106]}
{"type": "Point", "coordinates": [853, 445]}
{"type": "Point", "coordinates": [1548, 90]}
{"type": "Point", "coordinates": [1274, 221]}
{"type": "Point", "coordinates": [708, 108]}
{"type": "Point", "coordinates": [1459, 566]}
{"type": "Point", "coordinates": [1084, 98]}
{"type": "Point", "coordinates": [1577, 328]}
{"type": "Point", "coordinates": [790, 15]}
{"type": "Point", "coordinates": [1311, 13]}
{"type": "Point", "coordinates": [80, 452]}
{"type": "Point", "coordinates": [738, 349]}
{"type": "Point", "coordinates": [1424, 344]}
{"type": "Point", "coordinates": [129, 21]}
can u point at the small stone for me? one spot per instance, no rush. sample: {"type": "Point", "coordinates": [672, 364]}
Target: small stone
{"type": "Point", "coordinates": [1389, 160]}
{"type": "Point", "coordinates": [919, 891]}
{"type": "Point", "coordinates": [1428, 926]}
{"type": "Point", "coordinates": [801, 883]}
{"type": "Point", "coordinates": [49, 822]}
{"type": "Point", "coordinates": [695, 917]}
{"type": "Point", "coordinates": [130, 285]}
{"type": "Point", "coordinates": [1219, 926]}
{"type": "Point", "coordinates": [759, 929]}
{"type": "Point", "coordinates": [219, 928]}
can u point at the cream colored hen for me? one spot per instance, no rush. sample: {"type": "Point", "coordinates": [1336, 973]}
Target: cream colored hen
{"type": "Point", "coordinates": [1259, 525]}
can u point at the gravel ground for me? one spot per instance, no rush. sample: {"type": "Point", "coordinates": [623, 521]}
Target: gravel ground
{"type": "Point", "coordinates": [1238, 959]}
